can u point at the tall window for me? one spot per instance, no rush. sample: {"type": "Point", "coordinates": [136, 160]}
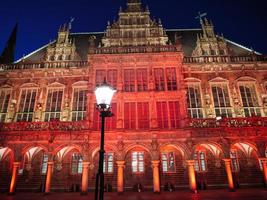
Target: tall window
{"type": "Point", "coordinates": [79, 104]}
{"type": "Point", "coordinates": [194, 101]}
{"type": "Point", "coordinates": [44, 164]}
{"type": "Point", "coordinates": [100, 76]}
{"type": "Point", "coordinates": [162, 114]}
{"type": "Point", "coordinates": [136, 115]}
{"type": "Point", "coordinates": [53, 104]}
{"type": "Point", "coordinates": [174, 113]}
{"type": "Point", "coordinates": [200, 161]}
{"type": "Point", "coordinates": [142, 82]}
{"type": "Point", "coordinates": [234, 161]}
{"type": "Point", "coordinates": [110, 122]}
{"type": "Point", "coordinates": [26, 105]}
{"type": "Point", "coordinates": [110, 76]}
{"type": "Point", "coordinates": [249, 100]}
{"type": "Point", "coordinates": [143, 115]}
{"type": "Point", "coordinates": [159, 79]}
{"type": "Point", "coordinates": [4, 100]}
{"type": "Point", "coordinates": [171, 79]}
{"type": "Point", "coordinates": [168, 162]}
{"type": "Point", "coordinates": [76, 163]}
{"type": "Point", "coordinates": [221, 100]}
{"type": "Point", "coordinates": [138, 162]}
{"type": "Point", "coordinates": [129, 80]}
{"type": "Point", "coordinates": [108, 163]}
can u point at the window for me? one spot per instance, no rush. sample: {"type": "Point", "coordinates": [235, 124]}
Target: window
{"type": "Point", "coordinates": [194, 102]}
{"type": "Point", "coordinates": [110, 76]}
{"type": "Point", "coordinates": [110, 122]}
{"type": "Point", "coordinates": [76, 163]}
{"type": "Point", "coordinates": [26, 105]}
{"type": "Point", "coordinates": [162, 115]}
{"type": "Point", "coordinates": [249, 100]}
{"type": "Point", "coordinates": [142, 82]}
{"type": "Point", "coordinates": [108, 163]}
{"type": "Point", "coordinates": [53, 104]}
{"type": "Point", "coordinates": [174, 113]}
{"type": "Point", "coordinates": [168, 162]}
{"type": "Point", "coordinates": [79, 104]}
{"type": "Point", "coordinates": [130, 115]}
{"type": "Point", "coordinates": [221, 100]}
{"type": "Point", "coordinates": [234, 161]}
{"type": "Point", "coordinates": [100, 76]}
{"type": "Point", "coordinates": [200, 161]}
{"type": "Point", "coordinates": [137, 162]}
{"type": "Point", "coordinates": [4, 100]}
{"type": "Point", "coordinates": [136, 115]}
{"type": "Point", "coordinates": [129, 80]}
{"type": "Point", "coordinates": [159, 79]}
{"type": "Point", "coordinates": [44, 164]}
{"type": "Point", "coordinates": [143, 115]}
{"type": "Point", "coordinates": [171, 79]}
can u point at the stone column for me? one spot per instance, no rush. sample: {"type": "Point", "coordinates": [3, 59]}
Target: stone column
{"type": "Point", "coordinates": [14, 177]}
{"type": "Point", "coordinates": [120, 165]}
{"type": "Point", "coordinates": [85, 178]}
{"type": "Point", "coordinates": [192, 175]}
{"type": "Point", "coordinates": [48, 177]}
{"type": "Point", "coordinates": [264, 169]}
{"type": "Point", "coordinates": [156, 182]}
{"type": "Point", "coordinates": [227, 163]}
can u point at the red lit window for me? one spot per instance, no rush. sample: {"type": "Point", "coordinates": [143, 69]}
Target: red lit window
{"type": "Point", "coordinates": [79, 104]}
{"type": "Point", "coordinates": [110, 122]}
{"type": "Point", "coordinates": [108, 163]}
{"type": "Point", "coordinates": [129, 80]}
{"type": "Point", "coordinates": [141, 76]}
{"type": "Point", "coordinates": [130, 115]}
{"type": "Point", "coordinates": [234, 161]}
{"type": "Point", "coordinates": [100, 76]}
{"type": "Point", "coordinates": [143, 115]}
{"type": "Point", "coordinates": [171, 78]}
{"type": "Point", "coordinates": [4, 100]}
{"type": "Point", "coordinates": [162, 114]}
{"type": "Point", "coordinates": [138, 162]}
{"type": "Point", "coordinates": [53, 104]}
{"type": "Point", "coordinates": [168, 162]}
{"type": "Point", "coordinates": [159, 79]}
{"type": "Point", "coordinates": [26, 105]}
{"type": "Point", "coordinates": [174, 113]}
{"type": "Point", "coordinates": [110, 76]}
{"type": "Point", "coordinates": [76, 163]}
{"type": "Point", "coordinates": [200, 161]}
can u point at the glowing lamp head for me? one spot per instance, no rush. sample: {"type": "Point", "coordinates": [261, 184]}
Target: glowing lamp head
{"type": "Point", "coordinates": [104, 94]}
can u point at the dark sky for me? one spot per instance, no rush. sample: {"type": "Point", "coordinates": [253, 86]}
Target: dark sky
{"type": "Point", "coordinates": [242, 21]}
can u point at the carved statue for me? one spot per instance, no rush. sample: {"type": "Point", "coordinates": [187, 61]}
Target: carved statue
{"type": "Point", "coordinates": [66, 111]}
{"type": "Point", "coordinates": [38, 113]}
{"type": "Point", "coordinates": [11, 112]}
{"type": "Point", "coordinates": [208, 106]}
{"type": "Point", "coordinates": [264, 100]}
{"type": "Point", "coordinates": [238, 109]}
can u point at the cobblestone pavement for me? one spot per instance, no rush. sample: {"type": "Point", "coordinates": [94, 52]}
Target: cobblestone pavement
{"type": "Point", "coordinates": [241, 194]}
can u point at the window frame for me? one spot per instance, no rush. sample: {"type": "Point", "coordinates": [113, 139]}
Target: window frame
{"type": "Point", "coordinates": [6, 90]}
{"type": "Point", "coordinates": [168, 162]}
{"type": "Point", "coordinates": [138, 161]}
{"type": "Point", "coordinates": [79, 165]}
{"type": "Point", "coordinates": [235, 166]}
{"type": "Point", "coordinates": [106, 163]}
{"type": "Point", "coordinates": [198, 160]}
{"type": "Point", "coordinates": [199, 110]}
{"type": "Point", "coordinates": [44, 164]}
{"type": "Point", "coordinates": [84, 112]}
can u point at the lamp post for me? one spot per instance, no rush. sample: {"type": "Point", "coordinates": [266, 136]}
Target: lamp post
{"type": "Point", "coordinates": [104, 94]}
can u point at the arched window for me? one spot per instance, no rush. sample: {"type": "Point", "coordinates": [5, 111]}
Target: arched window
{"type": "Point", "coordinates": [26, 104]}
{"type": "Point", "coordinates": [200, 161]}
{"type": "Point", "coordinates": [138, 165]}
{"type": "Point", "coordinates": [76, 163]}
{"type": "Point", "coordinates": [108, 163]}
{"type": "Point", "coordinates": [79, 103]}
{"type": "Point", "coordinates": [5, 94]}
{"type": "Point", "coordinates": [194, 107]}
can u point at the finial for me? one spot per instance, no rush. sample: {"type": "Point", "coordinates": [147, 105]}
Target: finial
{"type": "Point", "coordinates": [120, 9]}
{"type": "Point", "coordinates": [108, 23]}
{"type": "Point", "coordinates": [160, 21]}
{"type": "Point", "coordinates": [147, 8]}
{"type": "Point", "coordinates": [200, 16]}
{"type": "Point", "coordinates": [70, 23]}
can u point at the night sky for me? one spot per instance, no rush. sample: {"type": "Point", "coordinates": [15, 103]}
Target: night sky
{"type": "Point", "coordinates": [242, 21]}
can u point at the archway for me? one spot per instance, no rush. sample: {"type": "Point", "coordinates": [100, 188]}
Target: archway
{"type": "Point", "coordinates": [6, 160]}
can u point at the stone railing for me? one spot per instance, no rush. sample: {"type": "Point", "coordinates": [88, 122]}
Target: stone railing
{"type": "Point", "coordinates": [228, 122]}
{"type": "Point", "coordinates": [225, 59]}
{"type": "Point", "coordinates": [42, 65]}
{"type": "Point", "coordinates": [45, 126]}
{"type": "Point", "coordinates": [136, 49]}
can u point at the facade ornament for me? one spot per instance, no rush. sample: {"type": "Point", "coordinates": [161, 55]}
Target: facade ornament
{"type": "Point", "coordinates": [238, 109]}
{"type": "Point", "coordinates": [66, 111]}
{"type": "Point", "coordinates": [264, 100]}
{"type": "Point", "coordinates": [11, 111]}
{"type": "Point", "coordinates": [208, 106]}
{"type": "Point", "coordinates": [38, 113]}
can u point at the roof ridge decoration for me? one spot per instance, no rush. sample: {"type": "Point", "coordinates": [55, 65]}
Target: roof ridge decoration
{"type": "Point", "coordinates": [134, 27]}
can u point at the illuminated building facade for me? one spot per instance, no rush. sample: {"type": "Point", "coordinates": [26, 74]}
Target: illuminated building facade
{"type": "Point", "coordinates": [189, 111]}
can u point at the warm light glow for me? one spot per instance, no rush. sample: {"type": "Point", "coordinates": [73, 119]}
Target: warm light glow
{"type": "Point", "coordinates": [120, 176]}
{"type": "Point", "coordinates": [104, 94]}
{"type": "Point", "coordinates": [156, 181]}
{"type": "Point", "coordinates": [48, 177]}
{"type": "Point", "coordinates": [85, 177]}
{"type": "Point", "coordinates": [229, 174]}
{"type": "Point", "coordinates": [14, 177]}
{"type": "Point", "coordinates": [192, 176]}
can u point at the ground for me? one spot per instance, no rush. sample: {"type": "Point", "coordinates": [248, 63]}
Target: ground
{"type": "Point", "coordinates": [241, 194]}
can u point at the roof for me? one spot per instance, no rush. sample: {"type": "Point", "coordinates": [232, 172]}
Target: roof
{"type": "Point", "coordinates": [187, 38]}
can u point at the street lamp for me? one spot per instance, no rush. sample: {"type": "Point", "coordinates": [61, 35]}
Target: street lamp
{"type": "Point", "coordinates": [104, 94]}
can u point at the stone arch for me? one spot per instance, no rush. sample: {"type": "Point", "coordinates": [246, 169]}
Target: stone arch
{"type": "Point", "coordinates": [63, 150]}
{"type": "Point", "coordinates": [128, 148]}
{"type": "Point", "coordinates": [4, 152]}
{"type": "Point", "coordinates": [32, 150]}
{"type": "Point", "coordinates": [246, 147]}
{"type": "Point", "coordinates": [95, 149]}
{"type": "Point", "coordinates": [213, 147]}
{"type": "Point", "coordinates": [179, 147]}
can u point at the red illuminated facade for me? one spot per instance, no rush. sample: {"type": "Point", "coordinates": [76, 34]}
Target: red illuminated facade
{"type": "Point", "coordinates": [189, 111]}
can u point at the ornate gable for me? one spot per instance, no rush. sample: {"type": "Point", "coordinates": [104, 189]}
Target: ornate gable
{"type": "Point", "coordinates": [134, 28]}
